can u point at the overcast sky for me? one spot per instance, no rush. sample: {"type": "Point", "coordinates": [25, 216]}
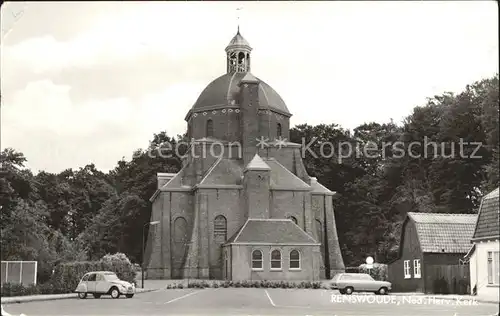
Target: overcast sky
{"type": "Point", "coordinates": [92, 81]}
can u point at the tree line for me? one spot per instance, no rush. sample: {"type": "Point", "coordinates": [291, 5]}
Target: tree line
{"type": "Point", "coordinates": [84, 214]}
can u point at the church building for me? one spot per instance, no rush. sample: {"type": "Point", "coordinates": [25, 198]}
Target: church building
{"type": "Point", "coordinates": [243, 206]}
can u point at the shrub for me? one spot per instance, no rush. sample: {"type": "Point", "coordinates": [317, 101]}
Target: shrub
{"type": "Point", "coordinates": [67, 275]}
{"type": "Point", "coordinates": [379, 271]}
{"type": "Point", "coordinates": [117, 257]}
{"type": "Point", "coordinates": [16, 289]}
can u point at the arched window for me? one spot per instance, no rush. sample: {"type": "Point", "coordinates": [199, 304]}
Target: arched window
{"type": "Point", "coordinates": [294, 260]}
{"type": "Point", "coordinates": [278, 130]}
{"type": "Point", "coordinates": [319, 229]}
{"type": "Point", "coordinates": [276, 260]}
{"type": "Point", "coordinates": [293, 219]}
{"type": "Point", "coordinates": [220, 229]}
{"type": "Point", "coordinates": [210, 128]}
{"type": "Point", "coordinates": [241, 62]}
{"type": "Point", "coordinates": [180, 230]}
{"type": "Point", "coordinates": [257, 260]}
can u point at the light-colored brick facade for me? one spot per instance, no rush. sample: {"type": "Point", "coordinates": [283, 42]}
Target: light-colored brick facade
{"type": "Point", "coordinates": [227, 179]}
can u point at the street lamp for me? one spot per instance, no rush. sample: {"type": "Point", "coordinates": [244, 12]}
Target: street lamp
{"type": "Point", "coordinates": [369, 264]}
{"type": "Point", "coordinates": [142, 265]}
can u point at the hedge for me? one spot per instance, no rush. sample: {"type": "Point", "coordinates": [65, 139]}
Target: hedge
{"type": "Point", "coordinates": [378, 271]}
{"type": "Point", "coordinates": [67, 275]}
{"type": "Point", "coordinates": [48, 288]}
{"type": "Point", "coordinates": [247, 284]}
{"type": "Point", "coordinates": [10, 289]}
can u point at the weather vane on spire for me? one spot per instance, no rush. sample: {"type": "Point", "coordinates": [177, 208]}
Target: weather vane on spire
{"type": "Point", "coordinates": [238, 16]}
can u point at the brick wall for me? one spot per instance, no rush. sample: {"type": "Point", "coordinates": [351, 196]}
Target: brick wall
{"type": "Point", "coordinates": [256, 187]}
{"type": "Point", "coordinates": [241, 263]}
{"type": "Point", "coordinates": [223, 202]}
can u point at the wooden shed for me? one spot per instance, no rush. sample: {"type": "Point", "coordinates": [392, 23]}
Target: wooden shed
{"type": "Point", "coordinates": [430, 256]}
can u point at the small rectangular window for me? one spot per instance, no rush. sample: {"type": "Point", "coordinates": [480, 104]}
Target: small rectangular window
{"type": "Point", "coordinates": [407, 271]}
{"type": "Point", "coordinates": [493, 267]}
{"type": "Point", "coordinates": [416, 268]}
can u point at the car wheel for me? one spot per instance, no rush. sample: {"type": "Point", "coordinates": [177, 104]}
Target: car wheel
{"type": "Point", "coordinates": [97, 295]}
{"type": "Point", "coordinates": [82, 295]}
{"type": "Point", "coordinates": [348, 290]}
{"type": "Point", "coordinates": [129, 295]}
{"type": "Point", "coordinates": [341, 291]}
{"type": "Point", "coordinates": [382, 291]}
{"type": "Point", "coordinates": [115, 293]}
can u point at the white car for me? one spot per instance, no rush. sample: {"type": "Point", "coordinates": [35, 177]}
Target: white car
{"type": "Point", "coordinates": [4, 313]}
{"type": "Point", "coordinates": [347, 283]}
{"type": "Point", "coordinates": [104, 283]}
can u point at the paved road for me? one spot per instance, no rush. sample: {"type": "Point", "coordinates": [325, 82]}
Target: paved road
{"type": "Point", "coordinates": [250, 301]}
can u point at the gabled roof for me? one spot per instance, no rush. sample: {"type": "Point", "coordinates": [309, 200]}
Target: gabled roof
{"type": "Point", "coordinates": [174, 182]}
{"type": "Point", "coordinates": [249, 78]}
{"type": "Point", "coordinates": [282, 178]}
{"type": "Point", "coordinates": [271, 231]}
{"type": "Point", "coordinates": [318, 188]}
{"type": "Point", "coordinates": [470, 252]}
{"type": "Point", "coordinates": [257, 164]}
{"type": "Point", "coordinates": [444, 233]}
{"type": "Point", "coordinates": [487, 225]}
{"type": "Point", "coordinates": [225, 171]}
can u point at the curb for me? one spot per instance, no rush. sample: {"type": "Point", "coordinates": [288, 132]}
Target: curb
{"type": "Point", "coordinates": [443, 297]}
{"type": "Point", "coordinates": [42, 298]}
{"type": "Point", "coordinates": [450, 297]}
{"type": "Point", "coordinates": [467, 298]}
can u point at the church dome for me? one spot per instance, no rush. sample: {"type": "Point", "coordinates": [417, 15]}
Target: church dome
{"type": "Point", "coordinates": [224, 90]}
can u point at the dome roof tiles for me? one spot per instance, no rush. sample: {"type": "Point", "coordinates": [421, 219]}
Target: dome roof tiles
{"type": "Point", "coordinates": [225, 89]}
